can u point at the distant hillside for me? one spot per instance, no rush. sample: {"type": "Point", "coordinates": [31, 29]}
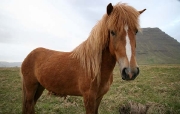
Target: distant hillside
{"type": "Point", "coordinates": [10, 64]}
{"type": "Point", "coordinates": [156, 47]}
{"type": "Point", "coordinates": [153, 46]}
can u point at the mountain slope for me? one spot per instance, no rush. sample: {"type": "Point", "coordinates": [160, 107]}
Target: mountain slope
{"type": "Point", "coordinates": [154, 46]}
{"type": "Point", "coordinates": [10, 64]}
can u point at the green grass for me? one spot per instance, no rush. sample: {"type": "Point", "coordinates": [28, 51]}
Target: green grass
{"type": "Point", "coordinates": [157, 86]}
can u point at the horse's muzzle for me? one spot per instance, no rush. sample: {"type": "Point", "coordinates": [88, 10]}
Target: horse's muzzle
{"type": "Point", "coordinates": [130, 74]}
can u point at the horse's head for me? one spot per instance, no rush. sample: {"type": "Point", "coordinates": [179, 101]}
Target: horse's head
{"type": "Point", "coordinates": [123, 24]}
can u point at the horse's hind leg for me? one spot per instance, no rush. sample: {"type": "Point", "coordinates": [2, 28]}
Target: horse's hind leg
{"type": "Point", "coordinates": [29, 90]}
{"type": "Point", "coordinates": [39, 92]}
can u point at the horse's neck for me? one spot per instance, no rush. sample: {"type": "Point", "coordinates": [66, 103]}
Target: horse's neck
{"type": "Point", "coordinates": [108, 62]}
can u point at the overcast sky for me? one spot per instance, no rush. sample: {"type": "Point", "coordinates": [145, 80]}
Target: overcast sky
{"type": "Point", "coordinates": [64, 24]}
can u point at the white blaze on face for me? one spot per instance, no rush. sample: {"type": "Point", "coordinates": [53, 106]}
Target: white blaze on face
{"type": "Point", "coordinates": [128, 45]}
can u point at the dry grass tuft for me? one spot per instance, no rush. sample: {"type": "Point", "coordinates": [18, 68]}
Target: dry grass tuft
{"type": "Point", "coordinates": [133, 108]}
{"type": "Point", "coordinates": [138, 108]}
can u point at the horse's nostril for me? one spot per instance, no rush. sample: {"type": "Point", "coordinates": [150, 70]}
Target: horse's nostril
{"type": "Point", "coordinates": [137, 70]}
{"type": "Point", "coordinates": [124, 74]}
{"type": "Point", "coordinates": [136, 73]}
{"type": "Point", "coordinates": [124, 71]}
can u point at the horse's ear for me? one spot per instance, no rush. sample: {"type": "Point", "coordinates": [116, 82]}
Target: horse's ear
{"type": "Point", "coordinates": [142, 11]}
{"type": "Point", "coordinates": [109, 8]}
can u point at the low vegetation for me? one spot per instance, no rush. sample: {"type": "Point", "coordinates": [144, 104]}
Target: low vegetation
{"type": "Point", "coordinates": [155, 91]}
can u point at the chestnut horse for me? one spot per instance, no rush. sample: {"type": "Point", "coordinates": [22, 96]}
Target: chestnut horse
{"type": "Point", "coordinates": [87, 71]}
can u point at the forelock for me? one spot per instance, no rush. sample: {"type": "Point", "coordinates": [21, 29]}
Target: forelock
{"type": "Point", "coordinates": [122, 15]}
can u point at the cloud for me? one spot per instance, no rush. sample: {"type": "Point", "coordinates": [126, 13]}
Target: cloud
{"type": "Point", "coordinates": [38, 21]}
{"type": "Point", "coordinates": [63, 25]}
{"type": "Point", "coordinates": [6, 29]}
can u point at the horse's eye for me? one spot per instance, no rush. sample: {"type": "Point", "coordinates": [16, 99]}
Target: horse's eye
{"type": "Point", "coordinates": [113, 33]}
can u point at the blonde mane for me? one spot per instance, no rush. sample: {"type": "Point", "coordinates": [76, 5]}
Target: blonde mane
{"type": "Point", "coordinates": [89, 53]}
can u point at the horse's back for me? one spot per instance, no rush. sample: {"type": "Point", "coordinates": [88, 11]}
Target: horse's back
{"type": "Point", "coordinates": [39, 56]}
{"type": "Point", "coordinates": [35, 59]}
{"type": "Point", "coordinates": [53, 70]}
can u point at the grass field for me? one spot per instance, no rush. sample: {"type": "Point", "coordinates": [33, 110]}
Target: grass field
{"type": "Point", "coordinates": [157, 88]}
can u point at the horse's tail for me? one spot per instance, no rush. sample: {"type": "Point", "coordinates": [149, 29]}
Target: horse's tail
{"type": "Point", "coordinates": [23, 95]}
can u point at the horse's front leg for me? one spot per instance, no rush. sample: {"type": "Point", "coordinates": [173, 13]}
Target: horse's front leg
{"type": "Point", "coordinates": [98, 101]}
{"type": "Point", "coordinates": [90, 102]}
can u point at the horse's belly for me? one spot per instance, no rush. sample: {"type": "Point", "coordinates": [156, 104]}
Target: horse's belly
{"type": "Point", "coordinates": [61, 85]}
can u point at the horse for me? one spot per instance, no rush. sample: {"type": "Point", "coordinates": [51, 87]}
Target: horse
{"type": "Point", "coordinates": [87, 70]}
